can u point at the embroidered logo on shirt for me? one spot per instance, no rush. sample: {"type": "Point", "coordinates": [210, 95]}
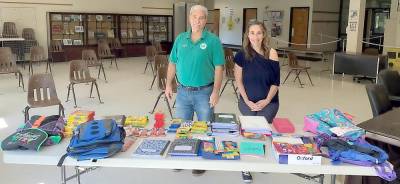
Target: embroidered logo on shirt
{"type": "Point", "coordinates": [203, 46]}
{"type": "Point", "coordinates": [184, 45]}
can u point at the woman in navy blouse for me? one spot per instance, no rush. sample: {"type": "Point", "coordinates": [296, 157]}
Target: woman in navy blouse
{"type": "Point", "coordinates": [257, 75]}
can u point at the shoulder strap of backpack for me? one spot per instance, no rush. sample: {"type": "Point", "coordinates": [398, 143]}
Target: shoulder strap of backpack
{"type": "Point", "coordinates": [61, 161]}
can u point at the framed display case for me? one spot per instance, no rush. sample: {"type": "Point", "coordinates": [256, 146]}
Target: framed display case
{"type": "Point", "coordinates": [68, 27]}
{"type": "Point", "coordinates": [100, 26]}
{"type": "Point", "coordinates": [159, 28]}
{"type": "Point", "coordinates": [83, 30]}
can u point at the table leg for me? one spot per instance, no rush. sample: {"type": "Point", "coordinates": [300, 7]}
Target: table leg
{"type": "Point", "coordinates": [333, 179]}
{"type": "Point", "coordinates": [63, 177]}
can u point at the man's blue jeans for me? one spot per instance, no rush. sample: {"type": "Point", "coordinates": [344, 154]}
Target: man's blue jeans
{"type": "Point", "coordinates": [190, 101]}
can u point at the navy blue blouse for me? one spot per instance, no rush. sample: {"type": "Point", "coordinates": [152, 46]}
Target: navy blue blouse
{"type": "Point", "coordinates": [258, 74]}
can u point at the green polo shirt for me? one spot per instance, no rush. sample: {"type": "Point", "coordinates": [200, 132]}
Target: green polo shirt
{"type": "Point", "coordinates": [195, 62]}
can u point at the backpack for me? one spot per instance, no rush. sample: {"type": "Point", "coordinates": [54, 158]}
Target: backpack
{"type": "Point", "coordinates": [361, 153]}
{"type": "Point", "coordinates": [37, 132]}
{"type": "Point", "coordinates": [95, 139]}
{"type": "Point", "coordinates": [326, 120]}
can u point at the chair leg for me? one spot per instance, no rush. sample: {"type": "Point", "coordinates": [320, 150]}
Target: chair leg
{"type": "Point", "coordinates": [21, 78]}
{"type": "Point", "coordinates": [145, 68]}
{"type": "Point", "coordinates": [116, 64]}
{"type": "Point", "coordinates": [73, 93]}
{"type": "Point", "coordinates": [26, 113]}
{"type": "Point", "coordinates": [152, 83]}
{"type": "Point", "coordinates": [69, 89]}
{"type": "Point", "coordinates": [98, 93]}
{"type": "Point", "coordinates": [61, 110]}
{"type": "Point", "coordinates": [91, 90]}
{"type": "Point", "coordinates": [30, 69]}
{"type": "Point", "coordinates": [234, 89]}
{"type": "Point", "coordinates": [309, 78]}
{"type": "Point", "coordinates": [223, 88]}
{"type": "Point", "coordinates": [298, 77]}
{"type": "Point", "coordinates": [158, 99]}
{"type": "Point", "coordinates": [98, 74]}
{"type": "Point", "coordinates": [287, 76]}
{"type": "Point", "coordinates": [169, 107]}
{"type": "Point", "coordinates": [48, 66]}
{"type": "Point", "coordinates": [104, 73]}
{"type": "Point", "coordinates": [152, 69]}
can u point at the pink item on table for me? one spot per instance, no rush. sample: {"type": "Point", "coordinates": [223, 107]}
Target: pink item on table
{"type": "Point", "coordinates": [283, 125]}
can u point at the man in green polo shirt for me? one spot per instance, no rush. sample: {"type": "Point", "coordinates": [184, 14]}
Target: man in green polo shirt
{"type": "Point", "coordinates": [197, 60]}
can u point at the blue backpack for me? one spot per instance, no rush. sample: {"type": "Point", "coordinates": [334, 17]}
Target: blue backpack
{"type": "Point", "coordinates": [95, 140]}
{"type": "Point", "coordinates": [361, 153]}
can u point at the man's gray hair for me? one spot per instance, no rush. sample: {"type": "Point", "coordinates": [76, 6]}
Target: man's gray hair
{"type": "Point", "coordinates": [199, 7]}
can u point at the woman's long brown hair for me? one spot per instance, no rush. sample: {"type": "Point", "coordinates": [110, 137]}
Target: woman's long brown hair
{"type": "Point", "coordinates": [248, 49]}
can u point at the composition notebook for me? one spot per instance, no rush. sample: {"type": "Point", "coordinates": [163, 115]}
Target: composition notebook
{"type": "Point", "coordinates": [184, 147]}
{"type": "Point", "coordinates": [151, 148]}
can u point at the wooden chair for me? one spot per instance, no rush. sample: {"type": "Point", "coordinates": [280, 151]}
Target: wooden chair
{"type": "Point", "coordinates": [162, 82]}
{"type": "Point", "coordinates": [9, 30]}
{"type": "Point", "coordinates": [104, 52]}
{"type": "Point", "coordinates": [90, 57]}
{"type": "Point", "coordinates": [42, 93]}
{"type": "Point", "coordinates": [151, 52]}
{"type": "Point", "coordinates": [28, 34]}
{"type": "Point", "coordinates": [296, 68]}
{"type": "Point", "coordinates": [79, 73]}
{"type": "Point", "coordinates": [56, 48]}
{"type": "Point", "coordinates": [229, 71]}
{"type": "Point", "coordinates": [159, 61]}
{"type": "Point", "coordinates": [158, 47]}
{"type": "Point", "coordinates": [38, 55]}
{"type": "Point", "coordinates": [116, 47]}
{"type": "Point", "coordinates": [8, 65]}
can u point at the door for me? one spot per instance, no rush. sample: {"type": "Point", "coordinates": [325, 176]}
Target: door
{"type": "Point", "coordinates": [299, 26]}
{"type": "Point", "coordinates": [249, 14]}
{"type": "Point", "coordinates": [374, 27]}
{"type": "Point", "coordinates": [213, 21]}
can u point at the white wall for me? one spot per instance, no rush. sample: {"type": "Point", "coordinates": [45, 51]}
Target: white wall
{"type": "Point", "coordinates": [39, 8]}
{"type": "Point", "coordinates": [234, 36]}
{"type": "Point", "coordinates": [325, 23]}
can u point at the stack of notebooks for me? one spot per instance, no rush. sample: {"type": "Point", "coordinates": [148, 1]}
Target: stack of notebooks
{"type": "Point", "coordinates": [151, 148]}
{"type": "Point", "coordinates": [254, 126]}
{"type": "Point", "coordinates": [224, 124]}
{"type": "Point", "coordinates": [184, 147]}
{"type": "Point", "coordinates": [296, 150]}
{"type": "Point", "coordinates": [199, 127]}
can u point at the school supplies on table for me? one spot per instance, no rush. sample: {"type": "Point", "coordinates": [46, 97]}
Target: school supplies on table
{"type": "Point", "coordinates": [184, 147]}
{"type": "Point", "coordinates": [151, 148]}
{"type": "Point", "coordinates": [283, 125]}
{"type": "Point", "coordinates": [296, 150]}
{"type": "Point", "coordinates": [137, 121]}
{"type": "Point", "coordinates": [255, 124]}
{"type": "Point", "coordinates": [252, 149]}
{"type": "Point", "coordinates": [227, 151]}
{"type": "Point", "coordinates": [224, 124]}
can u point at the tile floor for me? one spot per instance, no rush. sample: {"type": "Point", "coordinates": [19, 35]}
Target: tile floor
{"type": "Point", "coordinates": [127, 92]}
